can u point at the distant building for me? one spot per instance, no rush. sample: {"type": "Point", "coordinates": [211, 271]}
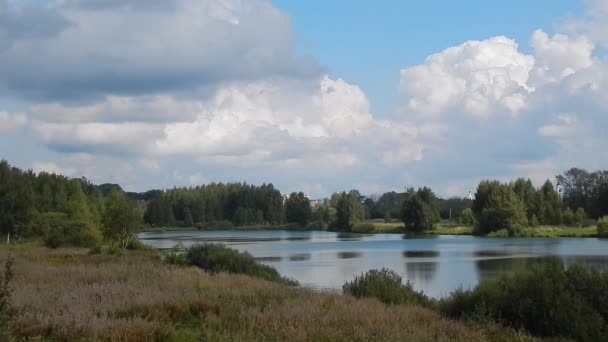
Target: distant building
{"type": "Point", "coordinates": [315, 202]}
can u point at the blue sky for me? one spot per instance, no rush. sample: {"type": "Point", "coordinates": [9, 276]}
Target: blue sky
{"type": "Point", "coordinates": [318, 96]}
{"type": "Point", "coordinates": [366, 42]}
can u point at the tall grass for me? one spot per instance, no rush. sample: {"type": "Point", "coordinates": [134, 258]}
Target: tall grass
{"type": "Point", "coordinates": [67, 295]}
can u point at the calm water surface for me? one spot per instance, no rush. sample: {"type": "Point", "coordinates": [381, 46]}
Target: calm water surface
{"type": "Point", "coordinates": [436, 264]}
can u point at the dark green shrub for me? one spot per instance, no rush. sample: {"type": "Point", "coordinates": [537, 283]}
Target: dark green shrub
{"type": "Point", "coordinates": [548, 301]}
{"type": "Point", "coordinates": [61, 231]}
{"type": "Point", "coordinates": [219, 258]}
{"type": "Point", "coordinates": [136, 245]}
{"type": "Point", "coordinates": [385, 285]}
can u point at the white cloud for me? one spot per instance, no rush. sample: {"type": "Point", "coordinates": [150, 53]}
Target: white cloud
{"type": "Point", "coordinates": [560, 56]}
{"type": "Point", "coordinates": [294, 123]}
{"type": "Point", "coordinates": [51, 167]}
{"type": "Point", "coordinates": [9, 122]}
{"type": "Point", "coordinates": [477, 78]}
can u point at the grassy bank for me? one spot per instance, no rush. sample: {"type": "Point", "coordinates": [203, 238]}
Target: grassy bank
{"type": "Point", "coordinates": [398, 228]}
{"type": "Point", "coordinates": [66, 294]}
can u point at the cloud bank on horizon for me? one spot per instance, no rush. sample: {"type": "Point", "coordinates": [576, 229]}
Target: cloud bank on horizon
{"type": "Point", "coordinates": [154, 93]}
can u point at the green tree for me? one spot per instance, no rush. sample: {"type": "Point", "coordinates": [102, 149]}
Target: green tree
{"type": "Point", "coordinates": [496, 207]}
{"type": "Point", "coordinates": [297, 209]}
{"type": "Point", "coordinates": [120, 218]}
{"type": "Point", "coordinates": [420, 210]}
{"type": "Point", "coordinates": [348, 211]}
{"type": "Point", "coordinates": [467, 217]}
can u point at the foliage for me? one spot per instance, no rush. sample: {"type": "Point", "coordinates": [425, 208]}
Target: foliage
{"type": "Point", "coordinates": [420, 210]}
{"type": "Point", "coordinates": [238, 203]}
{"type": "Point", "coordinates": [297, 209]}
{"type": "Point", "coordinates": [138, 298]}
{"type": "Point", "coordinates": [385, 285]}
{"type": "Point", "coordinates": [467, 217]}
{"type": "Point", "coordinates": [587, 190]}
{"type": "Point", "coordinates": [602, 226]}
{"type": "Point", "coordinates": [497, 206]}
{"type": "Point", "coordinates": [120, 218]}
{"type": "Point", "coordinates": [454, 205]}
{"type": "Point", "coordinates": [219, 258]}
{"type": "Point", "coordinates": [348, 210]}
{"type": "Point", "coordinates": [548, 301]}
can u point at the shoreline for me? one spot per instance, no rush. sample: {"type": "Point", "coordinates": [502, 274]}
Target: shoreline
{"type": "Point", "coordinates": [394, 228]}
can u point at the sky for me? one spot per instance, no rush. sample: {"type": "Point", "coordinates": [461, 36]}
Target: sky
{"type": "Point", "coordinates": [313, 96]}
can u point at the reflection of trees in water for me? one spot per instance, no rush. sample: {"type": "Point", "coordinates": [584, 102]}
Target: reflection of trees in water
{"type": "Point", "coordinates": [421, 271]}
{"type": "Point", "coordinates": [599, 263]}
{"type": "Point", "coordinates": [420, 254]}
{"type": "Point", "coordinates": [349, 237]}
{"type": "Point", "coordinates": [300, 257]}
{"type": "Point", "coordinates": [494, 268]}
{"type": "Point", "coordinates": [349, 255]}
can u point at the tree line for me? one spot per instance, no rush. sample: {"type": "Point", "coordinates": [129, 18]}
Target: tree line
{"type": "Point", "coordinates": [65, 211]}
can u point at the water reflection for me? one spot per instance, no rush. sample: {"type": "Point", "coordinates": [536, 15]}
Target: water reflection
{"type": "Point", "coordinates": [496, 267]}
{"type": "Point", "coordinates": [492, 253]}
{"type": "Point", "coordinates": [421, 271]}
{"type": "Point", "coordinates": [420, 254]}
{"type": "Point", "coordinates": [350, 237]}
{"type": "Point", "coordinates": [349, 255]}
{"type": "Point", "coordinates": [269, 259]}
{"type": "Point", "coordinates": [299, 257]}
{"type": "Point", "coordinates": [436, 265]}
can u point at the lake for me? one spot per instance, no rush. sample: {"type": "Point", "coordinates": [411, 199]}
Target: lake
{"type": "Point", "coordinates": [435, 264]}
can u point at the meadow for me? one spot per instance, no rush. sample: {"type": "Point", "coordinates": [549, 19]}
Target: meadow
{"type": "Point", "coordinates": [68, 295]}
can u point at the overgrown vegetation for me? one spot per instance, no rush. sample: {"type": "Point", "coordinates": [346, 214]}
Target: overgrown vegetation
{"type": "Point", "coordinates": [6, 291]}
{"type": "Point", "coordinates": [219, 258]}
{"type": "Point", "coordinates": [385, 285]}
{"type": "Point", "coordinates": [549, 301]}
{"type": "Point", "coordinates": [65, 295]}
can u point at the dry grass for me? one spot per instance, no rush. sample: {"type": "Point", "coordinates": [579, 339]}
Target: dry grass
{"type": "Point", "coordinates": [70, 296]}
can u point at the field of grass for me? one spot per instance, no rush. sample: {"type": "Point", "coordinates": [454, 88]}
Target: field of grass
{"type": "Point", "coordinates": [68, 295]}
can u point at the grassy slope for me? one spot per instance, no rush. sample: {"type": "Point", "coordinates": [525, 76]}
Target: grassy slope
{"type": "Point", "coordinates": [67, 295]}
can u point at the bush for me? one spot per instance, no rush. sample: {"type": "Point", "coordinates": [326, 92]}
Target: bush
{"type": "Point", "coordinates": [136, 245]}
{"type": "Point", "coordinates": [317, 225]}
{"type": "Point", "coordinates": [219, 258]}
{"type": "Point", "coordinates": [363, 227]}
{"type": "Point", "coordinates": [602, 226]}
{"type": "Point", "coordinates": [548, 301]}
{"type": "Point", "coordinates": [176, 257]}
{"type": "Point", "coordinates": [385, 285]}
{"type": "Point", "coordinates": [59, 231]}
{"type": "Point", "coordinates": [502, 233]}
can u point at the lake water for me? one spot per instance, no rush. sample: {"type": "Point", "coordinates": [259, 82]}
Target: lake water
{"type": "Point", "coordinates": [435, 264]}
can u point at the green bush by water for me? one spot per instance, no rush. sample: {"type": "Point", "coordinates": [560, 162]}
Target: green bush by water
{"type": "Point", "coordinates": [385, 285]}
{"type": "Point", "coordinates": [219, 258]}
{"type": "Point", "coordinates": [547, 301]}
